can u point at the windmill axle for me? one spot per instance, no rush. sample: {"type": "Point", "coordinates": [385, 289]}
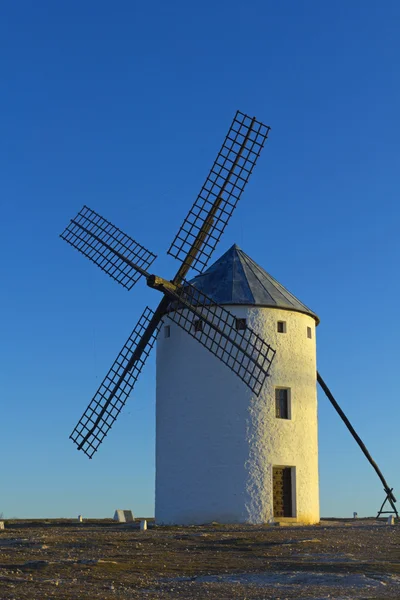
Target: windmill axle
{"type": "Point", "coordinates": [162, 285]}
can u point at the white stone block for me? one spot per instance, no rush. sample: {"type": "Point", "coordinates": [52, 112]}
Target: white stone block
{"type": "Point", "coordinates": [123, 516]}
{"type": "Point", "coordinates": [143, 525]}
{"type": "Point", "coordinates": [390, 520]}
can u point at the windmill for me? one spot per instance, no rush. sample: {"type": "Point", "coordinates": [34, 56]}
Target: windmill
{"type": "Point", "coordinates": [237, 345]}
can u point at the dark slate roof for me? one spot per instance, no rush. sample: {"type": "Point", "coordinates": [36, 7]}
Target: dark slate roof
{"type": "Point", "coordinates": [236, 279]}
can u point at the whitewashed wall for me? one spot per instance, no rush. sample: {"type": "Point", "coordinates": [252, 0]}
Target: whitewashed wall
{"type": "Point", "coordinates": [216, 442]}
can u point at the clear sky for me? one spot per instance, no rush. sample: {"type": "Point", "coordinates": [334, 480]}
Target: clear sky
{"type": "Point", "coordinates": [123, 106]}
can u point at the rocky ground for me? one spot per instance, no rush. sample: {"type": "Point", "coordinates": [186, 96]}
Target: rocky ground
{"type": "Point", "coordinates": [337, 559]}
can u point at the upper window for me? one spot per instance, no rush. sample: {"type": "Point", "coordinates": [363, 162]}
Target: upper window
{"type": "Point", "coordinates": [167, 331]}
{"type": "Point", "coordinates": [198, 325]}
{"type": "Point", "coordinates": [240, 324]}
{"type": "Point", "coordinates": [282, 403]}
{"type": "Point", "coordinates": [281, 326]}
{"type": "Point", "coordinates": [309, 332]}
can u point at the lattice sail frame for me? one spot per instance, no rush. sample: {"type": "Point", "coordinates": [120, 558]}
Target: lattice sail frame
{"type": "Point", "coordinates": [242, 350]}
{"type": "Point", "coordinates": [220, 332]}
{"type": "Point", "coordinates": [101, 413]}
{"type": "Point", "coordinates": [221, 190]}
{"type": "Point", "coordinates": [99, 240]}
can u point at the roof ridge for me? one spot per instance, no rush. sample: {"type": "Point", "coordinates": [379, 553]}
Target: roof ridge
{"type": "Point", "coordinates": [245, 257]}
{"type": "Point", "coordinates": [244, 274]}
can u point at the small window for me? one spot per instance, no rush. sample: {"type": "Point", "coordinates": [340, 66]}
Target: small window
{"type": "Point", "coordinates": [309, 332]}
{"type": "Point", "coordinates": [282, 403]}
{"type": "Point", "coordinates": [167, 331]}
{"type": "Point", "coordinates": [198, 325]}
{"type": "Point", "coordinates": [240, 324]}
{"type": "Point", "coordinates": [281, 326]}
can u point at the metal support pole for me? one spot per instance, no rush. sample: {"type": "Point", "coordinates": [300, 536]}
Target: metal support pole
{"type": "Point", "coordinates": [388, 491]}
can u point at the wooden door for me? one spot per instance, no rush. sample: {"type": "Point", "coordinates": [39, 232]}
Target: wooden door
{"type": "Point", "coordinates": [282, 491]}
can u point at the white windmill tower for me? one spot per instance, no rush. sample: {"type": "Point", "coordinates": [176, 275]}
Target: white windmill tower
{"type": "Point", "coordinates": [224, 452]}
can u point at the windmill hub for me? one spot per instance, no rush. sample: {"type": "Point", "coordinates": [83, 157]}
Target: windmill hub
{"type": "Point", "coordinates": [162, 285]}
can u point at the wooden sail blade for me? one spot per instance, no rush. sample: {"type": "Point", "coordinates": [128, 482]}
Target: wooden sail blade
{"type": "Point", "coordinates": [223, 334]}
{"type": "Point", "coordinates": [117, 254]}
{"type": "Point", "coordinates": [209, 215]}
{"type": "Point", "coordinates": [113, 392]}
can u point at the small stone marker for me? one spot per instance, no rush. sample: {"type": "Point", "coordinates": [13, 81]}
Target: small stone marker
{"type": "Point", "coordinates": [80, 519]}
{"type": "Point", "coordinates": [143, 525]}
{"type": "Point", "coordinates": [123, 516]}
{"type": "Point", "coordinates": [1, 524]}
{"type": "Point", "coordinates": [355, 515]}
{"type": "Point", "coordinates": [390, 520]}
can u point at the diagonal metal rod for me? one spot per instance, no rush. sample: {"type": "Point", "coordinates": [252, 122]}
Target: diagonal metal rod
{"type": "Point", "coordinates": [196, 246]}
{"type": "Point", "coordinates": [359, 441]}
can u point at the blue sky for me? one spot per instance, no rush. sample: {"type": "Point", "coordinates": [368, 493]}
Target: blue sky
{"type": "Point", "coordinates": [122, 106]}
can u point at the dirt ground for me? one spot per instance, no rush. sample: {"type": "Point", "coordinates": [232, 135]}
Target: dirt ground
{"type": "Point", "coordinates": [337, 559]}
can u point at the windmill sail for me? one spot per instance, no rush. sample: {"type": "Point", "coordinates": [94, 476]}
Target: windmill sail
{"type": "Point", "coordinates": [225, 336]}
{"type": "Point", "coordinates": [123, 259]}
{"type": "Point", "coordinates": [112, 394]}
{"type": "Point", "coordinates": [108, 247]}
{"type": "Point", "coordinates": [209, 215]}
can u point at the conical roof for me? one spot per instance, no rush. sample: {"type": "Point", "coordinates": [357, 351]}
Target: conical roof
{"type": "Point", "coordinates": [236, 279]}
